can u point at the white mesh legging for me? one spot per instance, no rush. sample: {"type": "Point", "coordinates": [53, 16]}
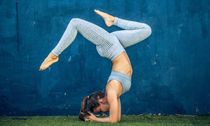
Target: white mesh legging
{"type": "Point", "coordinates": [108, 45]}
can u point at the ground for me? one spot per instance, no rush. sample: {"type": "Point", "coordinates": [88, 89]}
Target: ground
{"type": "Point", "coordinates": [127, 120]}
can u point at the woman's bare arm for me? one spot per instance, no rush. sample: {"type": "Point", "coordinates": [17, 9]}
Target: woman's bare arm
{"type": "Point", "coordinates": [114, 106]}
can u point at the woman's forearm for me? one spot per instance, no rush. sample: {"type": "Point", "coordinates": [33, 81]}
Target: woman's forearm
{"type": "Point", "coordinates": [105, 119]}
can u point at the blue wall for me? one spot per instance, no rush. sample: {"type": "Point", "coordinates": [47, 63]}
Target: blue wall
{"type": "Point", "coordinates": [171, 68]}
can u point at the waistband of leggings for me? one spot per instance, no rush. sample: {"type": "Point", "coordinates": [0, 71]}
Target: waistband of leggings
{"type": "Point", "coordinates": [117, 52]}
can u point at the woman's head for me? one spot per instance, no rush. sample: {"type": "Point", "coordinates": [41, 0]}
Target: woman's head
{"type": "Point", "coordinates": [95, 102]}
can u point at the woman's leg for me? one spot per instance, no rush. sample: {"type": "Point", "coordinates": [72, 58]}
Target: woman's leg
{"type": "Point", "coordinates": [134, 31]}
{"type": "Point", "coordinates": [90, 31]}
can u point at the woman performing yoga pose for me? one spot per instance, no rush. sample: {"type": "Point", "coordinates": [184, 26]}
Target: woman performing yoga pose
{"type": "Point", "coordinates": [108, 45]}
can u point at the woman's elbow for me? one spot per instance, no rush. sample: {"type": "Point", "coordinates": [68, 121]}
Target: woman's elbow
{"type": "Point", "coordinates": [114, 120]}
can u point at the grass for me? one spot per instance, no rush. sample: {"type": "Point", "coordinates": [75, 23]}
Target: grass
{"type": "Point", "coordinates": [128, 120]}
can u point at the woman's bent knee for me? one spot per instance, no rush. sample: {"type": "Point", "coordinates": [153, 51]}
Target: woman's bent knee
{"type": "Point", "coordinates": [75, 21]}
{"type": "Point", "coordinates": [148, 29]}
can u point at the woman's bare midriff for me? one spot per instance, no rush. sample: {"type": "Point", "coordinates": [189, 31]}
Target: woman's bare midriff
{"type": "Point", "coordinates": [122, 64]}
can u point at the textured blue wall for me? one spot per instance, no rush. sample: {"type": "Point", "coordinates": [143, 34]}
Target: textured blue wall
{"type": "Point", "coordinates": [171, 68]}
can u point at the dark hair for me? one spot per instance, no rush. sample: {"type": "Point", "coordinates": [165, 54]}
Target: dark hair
{"type": "Point", "coordinates": [89, 103]}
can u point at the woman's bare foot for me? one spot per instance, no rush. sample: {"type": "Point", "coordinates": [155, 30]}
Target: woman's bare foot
{"type": "Point", "coordinates": [49, 60]}
{"type": "Point", "coordinates": [109, 19]}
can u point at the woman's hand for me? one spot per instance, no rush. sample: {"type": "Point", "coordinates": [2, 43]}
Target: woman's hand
{"type": "Point", "coordinates": [91, 117]}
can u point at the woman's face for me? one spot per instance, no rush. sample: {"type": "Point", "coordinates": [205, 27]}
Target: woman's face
{"type": "Point", "coordinates": [103, 106]}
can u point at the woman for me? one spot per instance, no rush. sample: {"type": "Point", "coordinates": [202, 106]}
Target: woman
{"type": "Point", "coordinates": [108, 45]}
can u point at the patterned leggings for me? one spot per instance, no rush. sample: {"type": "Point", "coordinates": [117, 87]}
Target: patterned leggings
{"type": "Point", "coordinates": [108, 45]}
